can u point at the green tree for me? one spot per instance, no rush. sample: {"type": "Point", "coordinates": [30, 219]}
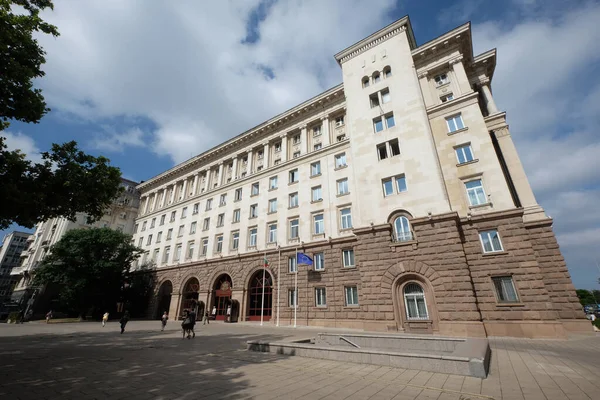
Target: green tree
{"type": "Point", "coordinates": [585, 297]}
{"type": "Point", "coordinates": [91, 266]}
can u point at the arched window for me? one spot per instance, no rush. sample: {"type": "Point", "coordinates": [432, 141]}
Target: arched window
{"type": "Point", "coordinates": [376, 77]}
{"type": "Point", "coordinates": [365, 81]}
{"type": "Point", "coordinates": [414, 300]}
{"type": "Point", "coordinates": [402, 229]}
{"type": "Point", "coordinates": [387, 72]}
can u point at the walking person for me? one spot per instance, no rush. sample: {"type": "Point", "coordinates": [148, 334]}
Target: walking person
{"type": "Point", "coordinates": [163, 320]}
{"type": "Point", "coordinates": [124, 320]}
{"type": "Point", "coordinates": [214, 313]}
{"type": "Point", "coordinates": [49, 316]}
{"type": "Point", "coordinates": [228, 313]}
{"type": "Point", "coordinates": [205, 319]}
{"type": "Point", "coordinates": [104, 319]}
{"type": "Point", "coordinates": [192, 317]}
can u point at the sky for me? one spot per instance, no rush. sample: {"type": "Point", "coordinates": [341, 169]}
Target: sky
{"type": "Point", "coordinates": [150, 84]}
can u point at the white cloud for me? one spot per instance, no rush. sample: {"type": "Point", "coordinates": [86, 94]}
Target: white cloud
{"type": "Point", "coordinates": [112, 140]}
{"type": "Point", "coordinates": [24, 143]}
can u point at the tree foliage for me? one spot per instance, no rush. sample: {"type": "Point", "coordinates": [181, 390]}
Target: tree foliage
{"type": "Point", "coordinates": [91, 265]}
{"type": "Point", "coordinates": [586, 297]}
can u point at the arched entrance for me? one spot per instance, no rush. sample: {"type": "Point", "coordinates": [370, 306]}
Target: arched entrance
{"type": "Point", "coordinates": [222, 296]}
{"type": "Point", "coordinates": [189, 296]}
{"type": "Point", "coordinates": [259, 281]}
{"type": "Point", "coordinates": [164, 298]}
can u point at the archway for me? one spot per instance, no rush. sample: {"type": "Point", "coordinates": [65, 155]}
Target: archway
{"type": "Point", "coordinates": [221, 296]}
{"type": "Point", "coordinates": [415, 304]}
{"type": "Point", "coordinates": [164, 298]}
{"type": "Point", "coordinates": [255, 296]}
{"type": "Point", "coordinates": [189, 295]}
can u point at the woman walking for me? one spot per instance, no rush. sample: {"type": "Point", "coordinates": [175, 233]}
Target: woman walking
{"type": "Point", "coordinates": [104, 319]}
{"type": "Point", "coordinates": [163, 320]}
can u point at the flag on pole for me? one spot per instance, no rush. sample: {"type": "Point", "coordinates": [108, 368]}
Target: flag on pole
{"type": "Point", "coordinates": [304, 259]}
{"type": "Point", "coordinates": [266, 263]}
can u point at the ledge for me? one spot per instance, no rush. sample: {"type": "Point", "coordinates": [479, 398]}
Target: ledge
{"type": "Point", "coordinates": [468, 162]}
{"type": "Point", "coordinates": [495, 253]}
{"type": "Point", "coordinates": [510, 305]}
{"type": "Point", "coordinates": [466, 128]}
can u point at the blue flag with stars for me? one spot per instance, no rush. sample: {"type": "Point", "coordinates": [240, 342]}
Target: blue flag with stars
{"type": "Point", "coordinates": [304, 259]}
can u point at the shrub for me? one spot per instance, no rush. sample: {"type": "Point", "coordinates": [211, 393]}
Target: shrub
{"type": "Point", "coordinates": [14, 316]}
{"type": "Point", "coordinates": [596, 323]}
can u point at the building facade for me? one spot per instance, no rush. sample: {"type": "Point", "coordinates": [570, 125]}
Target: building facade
{"type": "Point", "coordinates": [13, 245]}
{"type": "Point", "coordinates": [120, 216]}
{"type": "Point", "coordinates": [402, 184]}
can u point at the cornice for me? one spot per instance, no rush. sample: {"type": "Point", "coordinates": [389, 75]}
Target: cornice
{"type": "Point", "coordinates": [455, 33]}
{"type": "Point", "coordinates": [459, 102]}
{"type": "Point", "coordinates": [515, 212]}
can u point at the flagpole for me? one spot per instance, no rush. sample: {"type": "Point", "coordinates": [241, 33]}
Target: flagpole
{"type": "Point", "coordinates": [296, 290]}
{"type": "Point", "coordinates": [278, 278]}
{"type": "Point", "coordinates": [262, 306]}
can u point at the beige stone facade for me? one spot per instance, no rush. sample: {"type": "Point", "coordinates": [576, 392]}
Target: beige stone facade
{"type": "Point", "coordinates": [403, 185]}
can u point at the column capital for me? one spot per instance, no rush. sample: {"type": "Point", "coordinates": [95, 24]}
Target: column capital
{"type": "Point", "coordinates": [456, 60]}
{"type": "Point", "coordinates": [485, 81]}
{"type": "Point", "coordinates": [325, 117]}
{"type": "Point", "coordinates": [423, 74]}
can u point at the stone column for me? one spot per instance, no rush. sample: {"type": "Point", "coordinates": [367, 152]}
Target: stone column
{"type": "Point", "coordinates": [207, 179]}
{"type": "Point", "coordinates": [174, 306]}
{"type": "Point", "coordinates": [162, 197]}
{"type": "Point", "coordinates": [145, 202]}
{"type": "Point", "coordinates": [284, 151]}
{"type": "Point", "coordinates": [303, 140]}
{"type": "Point", "coordinates": [461, 75]}
{"type": "Point", "coordinates": [266, 156]}
{"type": "Point", "coordinates": [220, 176]}
{"type": "Point", "coordinates": [249, 168]}
{"type": "Point", "coordinates": [153, 207]}
{"type": "Point", "coordinates": [426, 89]}
{"type": "Point", "coordinates": [195, 184]}
{"type": "Point", "coordinates": [325, 131]}
{"type": "Point", "coordinates": [487, 96]}
{"type": "Point", "coordinates": [172, 199]}
{"type": "Point", "coordinates": [235, 171]}
{"type": "Point", "coordinates": [183, 193]}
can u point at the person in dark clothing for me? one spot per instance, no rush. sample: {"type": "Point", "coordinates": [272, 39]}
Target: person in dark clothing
{"type": "Point", "coordinates": [124, 320]}
{"type": "Point", "coordinates": [192, 317]}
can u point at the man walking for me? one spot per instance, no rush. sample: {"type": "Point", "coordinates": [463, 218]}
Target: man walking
{"type": "Point", "coordinates": [124, 320]}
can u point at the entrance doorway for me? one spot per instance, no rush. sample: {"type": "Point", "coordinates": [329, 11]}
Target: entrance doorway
{"type": "Point", "coordinates": [222, 296]}
{"type": "Point", "coordinates": [260, 283]}
{"type": "Point", "coordinates": [189, 297]}
{"type": "Point", "coordinates": [164, 298]}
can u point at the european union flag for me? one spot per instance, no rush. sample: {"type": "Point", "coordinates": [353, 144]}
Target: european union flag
{"type": "Point", "coordinates": [304, 259]}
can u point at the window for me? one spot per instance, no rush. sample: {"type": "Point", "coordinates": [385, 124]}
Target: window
{"type": "Point", "coordinates": [162, 219]}
{"type": "Point", "coordinates": [319, 261]}
{"type": "Point", "coordinates": [273, 233]}
{"type": "Point", "coordinates": [235, 240]}
{"type": "Point", "coordinates": [348, 258]}
{"type": "Point", "coordinates": [238, 195]}
{"type": "Point", "coordinates": [158, 237]}
{"type": "Point", "coordinates": [374, 99]}
{"type": "Point", "coordinates": [382, 151]}
{"type": "Point", "coordinates": [317, 146]}
{"type": "Point", "coordinates": [394, 147]}
{"type": "Point", "coordinates": [294, 175]}
{"type": "Point", "coordinates": [315, 168]}
{"type": "Point", "coordinates": [294, 228]}
{"type": "Point", "coordinates": [320, 297]}
{"type": "Point", "coordinates": [252, 237]}
{"type": "Point", "coordinates": [223, 200]}
{"type": "Point", "coordinates": [490, 240]}
{"type": "Point", "coordinates": [342, 187]}
{"type": "Point", "coordinates": [296, 154]}
{"type": "Point", "coordinates": [505, 289]}
{"type": "Point", "coordinates": [273, 183]}
{"type": "Point", "coordinates": [272, 205]}
{"type": "Point", "coordinates": [387, 72]}
{"type": "Point", "coordinates": [152, 223]}
{"type": "Point", "coordinates": [180, 231]}
{"type": "Point", "coordinates": [135, 228]}
{"type": "Point", "coordinates": [166, 254]}
{"type": "Point", "coordinates": [255, 189]}
{"type": "Point", "coordinates": [317, 194]}
{"type": "Point", "coordinates": [346, 218]}
{"type": "Point", "coordinates": [204, 246]}
{"type": "Point", "coordinates": [318, 224]}
{"type": "Point", "coordinates": [378, 125]}
{"type": "Point", "coordinates": [190, 250]}
{"type": "Point", "coordinates": [177, 254]}
{"type": "Point", "coordinates": [254, 211]}
{"type": "Point", "coordinates": [293, 197]}
{"type": "Point", "coordinates": [339, 121]}
{"type": "Point", "coordinates": [292, 297]}
{"type": "Point", "coordinates": [259, 155]}
{"type": "Point", "coordinates": [220, 219]}
{"type": "Point", "coordinates": [316, 131]}
{"type": "Point", "coordinates": [144, 226]}
{"type": "Point", "coordinates": [441, 79]}
{"type": "Point", "coordinates": [365, 82]}
{"type": "Point", "coordinates": [401, 183]}
{"type": "Point", "coordinates": [447, 98]}
{"type": "Point", "coordinates": [340, 160]}
{"type": "Point", "coordinates": [206, 224]}
{"type": "Point", "coordinates": [388, 187]}
{"type": "Point", "coordinates": [292, 265]}
{"type": "Point", "coordinates": [208, 204]}
{"type": "Point", "coordinates": [236, 215]}
{"type": "Point", "coordinates": [455, 123]}
{"type": "Point", "coordinates": [276, 162]}
{"type": "Point", "coordinates": [296, 139]}
{"type": "Point", "coordinates": [173, 216]}
{"type": "Point", "coordinates": [149, 240]}
{"type": "Point", "coordinates": [414, 300]}
{"type": "Point", "coordinates": [170, 234]}
{"type": "Point", "coordinates": [376, 77]}
{"type": "Point", "coordinates": [402, 232]}
{"type": "Point", "coordinates": [389, 121]}
{"type": "Point", "coordinates": [385, 96]}
{"type": "Point", "coordinates": [277, 147]}
{"type": "Point", "coordinates": [351, 295]}
{"type": "Point", "coordinates": [193, 228]}
{"type": "Point", "coordinates": [464, 153]}
{"type": "Point", "coordinates": [184, 212]}
{"type": "Point", "coordinates": [219, 244]}
{"type": "Point", "coordinates": [245, 160]}
{"type": "Point", "coordinates": [155, 255]}
{"type": "Point", "coordinates": [195, 208]}
{"type": "Point", "coordinates": [475, 192]}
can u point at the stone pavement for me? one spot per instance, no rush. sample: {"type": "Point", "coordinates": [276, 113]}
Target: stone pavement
{"type": "Point", "coordinates": [86, 361]}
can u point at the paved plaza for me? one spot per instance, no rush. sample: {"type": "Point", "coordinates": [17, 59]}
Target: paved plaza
{"type": "Point", "coordinates": [86, 361]}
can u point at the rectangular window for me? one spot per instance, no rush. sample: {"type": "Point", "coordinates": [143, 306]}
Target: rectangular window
{"type": "Point", "coordinates": [317, 193]}
{"type": "Point", "coordinates": [296, 154]}
{"type": "Point", "coordinates": [394, 147]}
{"type": "Point", "coordinates": [180, 231]}
{"type": "Point", "coordinates": [273, 233]}
{"type": "Point", "coordinates": [236, 215]}
{"type": "Point", "coordinates": [385, 96]}
{"type": "Point", "coordinates": [184, 212]}
{"type": "Point", "coordinates": [272, 205]}
{"type": "Point", "coordinates": [190, 250]}
{"type": "Point", "coordinates": [316, 131]}
{"type": "Point", "coordinates": [223, 200]}
{"type": "Point", "coordinates": [219, 244]}
{"type": "Point", "coordinates": [277, 147]}
{"type": "Point", "coordinates": [317, 146]}
{"type": "Point", "coordinates": [206, 224]}
{"type": "Point", "coordinates": [255, 189]}
{"type": "Point", "coordinates": [177, 254]}
{"type": "Point", "coordinates": [158, 237]}
{"type": "Point", "coordinates": [293, 200]}
{"type": "Point", "coordinates": [292, 298]}
{"type": "Point", "coordinates": [149, 241]}
{"type": "Point", "coordinates": [253, 234]}
{"type": "Point", "coordinates": [464, 153]}
{"type": "Point", "coordinates": [152, 223]}
{"type": "Point", "coordinates": [273, 183]}
{"type": "Point", "coordinates": [340, 160]}
{"type": "Point", "coordinates": [162, 219]}
{"type": "Point", "coordinates": [155, 255]}
{"type": "Point", "coordinates": [490, 240]}
{"type": "Point", "coordinates": [235, 240]}
{"type": "Point", "coordinates": [173, 216]}
{"type": "Point", "coordinates": [294, 176]}
{"type": "Point", "coordinates": [220, 220]}
{"type": "Point", "coordinates": [475, 192]}
{"type": "Point", "coordinates": [196, 208]}
{"type": "Point", "coordinates": [319, 261]}
{"type": "Point", "coordinates": [294, 228]}
{"type": "Point", "coordinates": [342, 187]}
{"type": "Point", "coordinates": [320, 297]}
{"type": "Point", "coordinates": [447, 98]}
{"type": "Point", "coordinates": [208, 204]}
{"type": "Point", "coordinates": [296, 139]}
{"type": "Point", "coordinates": [378, 125]}
{"type": "Point", "coordinates": [292, 266]}
{"type": "Point", "coordinates": [382, 151]}
{"type": "Point", "coordinates": [389, 121]}
{"type": "Point", "coordinates": [339, 121]}
{"type": "Point", "coordinates": [204, 246]}
{"type": "Point", "coordinates": [315, 168]}
{"type": "Point", "coordinates": [144, 226]}
{"type": "Point", "coordinates": [401, 183]}
{"type": "Point", "coordinates": [166, 254]}
{"type": "Point", "coordinates": [259, 155]}
{"type": "Point", "coordinates": [388, 187]}
{"type": "Point", "coordinates": [374, 99]}
{"type": "Point", "coordinates": [348, 258]}
{"type": "Point", "coordinates": [318, 224]}
{"type": "Point", "coordinates": [505, 289]}
{"type": "Point", "coordinates": [441, 79]}
{"type": "Point", "coordinates": [238, 194]}
{"type": "Point", "coordinates": [193, 228]}
{"type": "Point", "coordinates": [351, 295]}
{"type": "Point", "coordinates": [254, 211]}
{"type": "Point", "coordinates": [135, 228]}
{"type": "Point", "coordinates": [170, 234]}
{"type": "Point", "coordinates": [346, 218]}
{"type": "Point", "coordinates": [455, 123]}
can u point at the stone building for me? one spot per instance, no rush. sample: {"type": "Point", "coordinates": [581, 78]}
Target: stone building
{"type": "Point", "coordinates": [402, 183]}
{"type": "Point", "coordinates": [10, 252]}
{"type": "Point", "coordinates": [120, 216]}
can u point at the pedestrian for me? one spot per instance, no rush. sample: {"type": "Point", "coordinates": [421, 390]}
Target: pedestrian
{"type": "Point", "coordinates": [124, 320]}
{"type": "Point", "coordinates": [205, 320]}
{"type": "Point", "coordinates": [192, 317]}
{"type": "Point", "coordinates": [214, 312]}
{"type": "Point", "coordinates": [104, 319]}
{"type": "Point", "coordinates": [228, 313]}
{"type": "Point", "coordinates": [49, 316]}
{"type": "Point", "coordinates": [163, 320]}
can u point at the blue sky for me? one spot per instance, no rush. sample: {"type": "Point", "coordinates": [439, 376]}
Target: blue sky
{"type": "Point", "coordinates": [149, 85]}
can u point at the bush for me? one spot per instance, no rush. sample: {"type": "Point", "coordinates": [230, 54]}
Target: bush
{"type": "Point", "coordinates": [596, 323]}
{"type": "Point", "coordinates": [14, 316]}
